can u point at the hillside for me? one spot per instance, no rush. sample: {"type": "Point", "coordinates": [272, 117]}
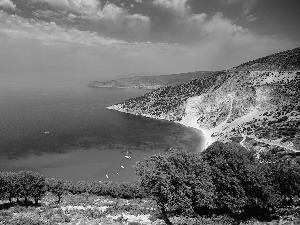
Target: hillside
{"type": "Point", "coordinates": [89, 209]}
{"type": "Point", "coordinates": [151, 82]}
{"type": "Point", "coordinates": [256, 103]}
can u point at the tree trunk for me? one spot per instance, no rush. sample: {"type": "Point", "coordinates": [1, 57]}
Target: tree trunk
{"type": "Point", "coordinates": [26, 200]}
{"type": "Point", "coordinates": [36, 201]}
{"type": "Point", "coordinates": [164, 215]}
{"type": "Point", "coordinates": [291, 200]}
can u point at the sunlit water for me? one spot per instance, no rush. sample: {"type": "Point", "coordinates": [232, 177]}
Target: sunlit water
{"type": "Point", "coordinates": [63, 130]}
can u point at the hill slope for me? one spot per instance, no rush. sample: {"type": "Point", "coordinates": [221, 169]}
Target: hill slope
{"type": "Point", "coordinates": [151, 82]}
{"type": "Point", "coordinates": [256, 103]}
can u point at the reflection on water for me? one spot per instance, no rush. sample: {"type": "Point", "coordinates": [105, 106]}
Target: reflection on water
{"type": "Point", "coordinates": [64, 130]}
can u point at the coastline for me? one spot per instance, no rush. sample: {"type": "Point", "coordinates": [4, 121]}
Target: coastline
{"type": "Point", "coordinates": [201, 145]}
{"type": "Point", "coordinates": [189, 121]}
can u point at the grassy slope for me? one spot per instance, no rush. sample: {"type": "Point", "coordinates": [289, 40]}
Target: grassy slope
{"type": "Point", "coordinates": [90, 209]}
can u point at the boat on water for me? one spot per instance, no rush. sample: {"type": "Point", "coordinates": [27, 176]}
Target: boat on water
{"type": "Point", "coordinates": [127, 156]}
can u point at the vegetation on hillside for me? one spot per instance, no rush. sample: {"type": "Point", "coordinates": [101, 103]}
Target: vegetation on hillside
{"type": "Point", "coordinates": [282, 61]}
{"type": "Point", "coordinates": [258, 99]}
{"type": "Point", "coordinates": [168, 102]}
{"type": "Point", "coordinates": [226, 179]}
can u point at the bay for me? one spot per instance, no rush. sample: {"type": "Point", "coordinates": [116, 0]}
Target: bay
{"type": "Point", "coordinates": [63, 130]}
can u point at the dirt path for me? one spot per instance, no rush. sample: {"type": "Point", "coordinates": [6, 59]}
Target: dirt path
{"type": "Point", "coordinates": [271, 143]}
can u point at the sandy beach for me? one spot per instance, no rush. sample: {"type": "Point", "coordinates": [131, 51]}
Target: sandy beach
{"type": "Point", "coordinates": [190, 120]}
{"type": "Point", "coordinates": [201, 144]}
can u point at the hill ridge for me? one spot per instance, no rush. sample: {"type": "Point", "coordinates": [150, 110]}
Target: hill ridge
{"type": "Point", "coordinates": [150, 82]}
{"type": "Point", "coordinates": [257, 101]}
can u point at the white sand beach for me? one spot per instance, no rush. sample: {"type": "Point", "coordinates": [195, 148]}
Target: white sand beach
{"type": "Point", "coordinates": [190, 120]}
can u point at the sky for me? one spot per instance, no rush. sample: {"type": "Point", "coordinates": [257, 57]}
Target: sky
{"type": "Point", "coordinates": [89, 39]}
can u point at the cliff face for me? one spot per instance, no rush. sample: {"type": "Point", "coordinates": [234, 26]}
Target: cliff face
{"type": "Point", "coordinates": [257, 103]}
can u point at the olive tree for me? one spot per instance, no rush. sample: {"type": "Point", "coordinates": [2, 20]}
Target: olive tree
{"type": "Point", "coordinates": [242, 181]}
{"type": "Point", "coordinates": [31, 184]}
{"type": "Point", "coordinates": [8, 186]}
{"type": "Point", "coordinates": [57, 187]}
{"type": "Point", "coordinates": [178, 181]}
{"type": "Point", "coordinates": [2, 186]}
{"type": "Point", "coordinates": [285, 176]}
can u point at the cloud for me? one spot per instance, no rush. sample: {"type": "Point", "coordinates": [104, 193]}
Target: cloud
{"type": "Point", "coordinates": [107, 19]}
{"type": "Point", "coordinates": [191, 28]}
{"type": "Point", "coordinates": [19, 27]}
{"type": "Point", "coordinates": [206, 42]}
{"type": "Point", "coordinates": [84, 7]}
{"type": "Point", "coordinates": [176, 5]}
{"type": "Point", "coordinates": [7, 4]}
{"type": "Point", "coordinates": [251, 18]}
{"type": "Point", "coordinates": [247, 7]}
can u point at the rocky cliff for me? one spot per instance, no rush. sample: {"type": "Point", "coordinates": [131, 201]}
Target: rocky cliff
{"type": "Point", "coordinates": [256, 103]}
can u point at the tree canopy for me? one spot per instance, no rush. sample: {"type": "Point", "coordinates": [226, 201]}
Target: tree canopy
{"type": "Point", "coordinates": [179, 182]}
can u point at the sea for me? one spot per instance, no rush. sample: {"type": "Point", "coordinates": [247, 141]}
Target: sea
{"type": "Point", "coordinates": [62, 129]}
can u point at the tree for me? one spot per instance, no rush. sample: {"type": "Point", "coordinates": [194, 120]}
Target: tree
{"type": "Point", "coordinates": [228, 166]}
{"type": "Point", "coordinates": [241, 180]}
{"type": "Point", "coordinates": [31, 184]}
{"type": "Point", "coordinates": [57, 187]}
{"type": "Point", "coordinates": [2, 186]}
{"type": "Point", "coordinates": [179, 182]}
{"type": "Point", "coordinates": [285, 175]}
{"type": "Point", "coordinates": [8, 185]}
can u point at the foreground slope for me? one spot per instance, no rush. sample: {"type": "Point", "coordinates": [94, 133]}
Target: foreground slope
{"type": "Point", "coordinates": [256, 103]}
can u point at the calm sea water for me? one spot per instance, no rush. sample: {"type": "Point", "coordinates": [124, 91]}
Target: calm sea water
{"type": "Point", "coordinates": [63, 130]}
